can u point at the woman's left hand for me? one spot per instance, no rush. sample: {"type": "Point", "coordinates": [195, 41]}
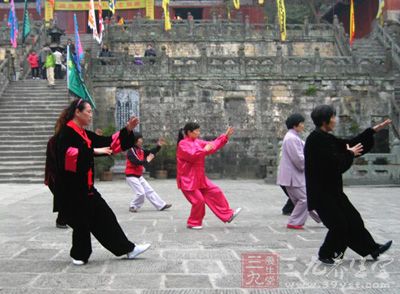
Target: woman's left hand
{"type": "Point", "coordinates": [382, 125]}
{"type": "Point", "coordinates": [103, 151]}
{"type": "Point", "coordinates": [229, 132]}
{"type": "Point", "coordinates": [132, 123]}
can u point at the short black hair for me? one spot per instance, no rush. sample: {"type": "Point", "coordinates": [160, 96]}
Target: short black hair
{"type": "Point", "coordinates": [321, 114]}
{"type": "Point", "coordinates": [294, 120]}
{"type": "Point", "coordinates": [137, 136]}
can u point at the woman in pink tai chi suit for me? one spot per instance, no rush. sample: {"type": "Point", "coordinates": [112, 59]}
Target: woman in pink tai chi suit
{"type": "Point", "coordinates": [191, 178]}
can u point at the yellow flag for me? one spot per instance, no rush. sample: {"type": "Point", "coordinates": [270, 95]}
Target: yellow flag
{"type": "Point", "coordinates": [282, 18]}
{"type": "Point", "coordinates": [167, 21]}
{"type": "Point", "coordinates": [261, 2]}
{"type": "Point", "coordinates": [352, 31]}
{"type": "Point", "coordinates": [380, 8]}
{"type": "Point", "coordinates": [236, 4]}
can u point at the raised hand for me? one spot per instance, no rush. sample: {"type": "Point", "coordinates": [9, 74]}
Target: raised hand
{"type": "Point", "coordinates": [150, 157]}
{"type": "Point", "coordinates": [209, 147]}
{"type": "Point", "coordinates": [132, 123]}
{"type": "Point", "coordinates": [161, 142]}
{"type": "Point", "coordinates": [103, 151]}
{"type": "Point", "coordinates": [229, 132]}
{"type": "Point", "coordinates": [356, 150]}
{"type": "Point", "coordinates": [382, 125]}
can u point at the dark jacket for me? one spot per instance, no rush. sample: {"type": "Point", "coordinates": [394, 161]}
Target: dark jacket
{"type": "Point", "coordinates": [72, 189]}
{"type": "Point", "coordinates": [326, 159]}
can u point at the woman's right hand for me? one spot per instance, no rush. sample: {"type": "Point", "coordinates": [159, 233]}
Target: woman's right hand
{"type": "Point", "coordinates": [356, 150]}
{"type": "Point", "coordinates": [102, 151]}
{"type": "Point", "coordinates": [150, 157]}
{"type": "Point", "coordinates": [209, 147]}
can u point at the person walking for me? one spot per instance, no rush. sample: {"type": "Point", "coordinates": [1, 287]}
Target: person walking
{"type": "Point", "coordinates": [326, 159]}
{"type": "Point", "coordinates": [33, 60]}
{"type": "Point", "coordinates": [137, 159]}
{"type": "Point", "coordinates": [85, 211]}
{"type": "Point", "coordinates": [191, 178]}
{"type": "Point", "coordinates": [291, 172]}
{"type": "Point", "coordinates": [50, 65]}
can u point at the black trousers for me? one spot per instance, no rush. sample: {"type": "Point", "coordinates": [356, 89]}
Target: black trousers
{"type": "Point", "coordinates": [105, 228]}
{"type": "Point", "coordinates": [289, 206]}
{"type": "Point", "coordinates": [346, 228]}
{"type": "Point", "coordinates": [57, 72]}
{"type": "Point", "coordinates": [35, 72]}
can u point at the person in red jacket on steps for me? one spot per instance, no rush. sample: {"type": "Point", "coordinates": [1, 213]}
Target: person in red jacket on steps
{"type": "Point", "coordinates": [136, 159]}
{"type": "Point", "coordinates": [33, 60]}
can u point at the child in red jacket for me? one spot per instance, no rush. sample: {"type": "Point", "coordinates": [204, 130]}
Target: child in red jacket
{"type": "Point", "coordinates": [136, 159]}
{"type": "Point", "coordinates": [33, 60]}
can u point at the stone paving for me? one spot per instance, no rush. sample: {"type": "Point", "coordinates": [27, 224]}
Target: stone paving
{"type": "Point", "coordinates": [34, 255]}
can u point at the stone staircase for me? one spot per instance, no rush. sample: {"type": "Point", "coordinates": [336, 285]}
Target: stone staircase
{"type": "Point", "coordinates": [369, 47]}
{"type": "Point", "coordinates": [28, 112]}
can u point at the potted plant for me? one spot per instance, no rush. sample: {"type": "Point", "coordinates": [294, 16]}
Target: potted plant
{"type": "Point", "coordinates": [164, 164]}
{"type": "Point", "coordinates": [103, 164]}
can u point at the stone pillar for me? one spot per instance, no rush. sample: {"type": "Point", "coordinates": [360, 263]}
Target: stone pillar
{"type": "Point", "coordinates": [388, 60]}
{"type": "Point", "coordinates": [317, 61]}
{"type": "Point", "coordinates": [164, 61]}
{"type": "Point", "coordinates": [242, 61]}
{"type": "Point", "coordinates": [396, 150]}
{"type": "Point", "coordinates": [203, 60]}
{"type": "Point", "coordinates": [190, 21]}
{"type": "Point", "coordinates": [247, 32]}
{"type": "Point", "coordinates": [279, 60]}
{"type": "Point", "coordinates": [355, 61]}
{"type": "Point", "coordinates": [306, 27]}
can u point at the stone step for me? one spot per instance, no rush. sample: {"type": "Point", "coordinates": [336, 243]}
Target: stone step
{"type": "Point", "coordinates": [22, 168]}
{"type": "Point", "coordinates": [22, 180]}
{"type": "Point", "coordinates": [33, 109]}
{"type": "Point", "coordinates": [23, 148]}
{"type": "Point", "coordinates": [19, 163]}
{"type": "Point", "coordinates": [26, 120]}
{"type": "Point", "coordinates": [13, 158]}
{"type": "Point", "coordinates": [21, 174]}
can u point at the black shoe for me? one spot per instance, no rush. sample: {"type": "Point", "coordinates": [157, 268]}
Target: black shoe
{"type": "Point", "coordinates": [381, 249]}
{"type": "Point", "coordinates": [166, 206]}
{"type": "Point", "coordinates": [328, 261]}
{"type": "Point", "coordinates": [61, 226]}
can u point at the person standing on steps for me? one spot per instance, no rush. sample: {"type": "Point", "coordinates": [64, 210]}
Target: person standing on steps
{"type": "Point", "coordinates": [191, 178]}
{"type": "Point", "coordinates": [33, 60]}
{"type": "Point", "coordinates": [50, 65]}
{"type": "Point", "coordinates": [291, 172]}
{"type": "Point", "coordinates": [137, 159]}
{"type": "Point", "coordinates": [326, 159]}
{"type": "Point", "coordinates": [85, 211]}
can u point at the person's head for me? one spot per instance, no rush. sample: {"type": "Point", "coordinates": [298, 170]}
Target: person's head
{"type": "Point", "coordinates": [105, 48]}
{"type": "Point", "coordinates": [295, 122]}
{"type": "Point", "coordinates": [324, 117]}
{"type": "Point", "coordinates": [191, 129]}
{"type": "Point", "coordinates": [138, 139]}
{"type": "Point", "coordinates": [79, 110]}
{"type": "Point", "coordinates": [149, 46]}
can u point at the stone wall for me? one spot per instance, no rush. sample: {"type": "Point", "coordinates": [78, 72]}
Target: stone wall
{"type": "Point", "coordinates": [257, 108]}
{"type": "Point", "coordinates": [231, 49]}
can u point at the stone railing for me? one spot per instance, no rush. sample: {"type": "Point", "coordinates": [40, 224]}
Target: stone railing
{"type": "Point", "coordinates": [388, 42]}
{"type": "Point", "coordinates": [123, 66]}
{"type": "Point", "coordinates": [7, 72]}
{"type": "Point", "coordinates": [341, 39]}
{"type": "Point", "coordinates": [376, 168]}
{"type": "Point", "coordinates": [216, 29]}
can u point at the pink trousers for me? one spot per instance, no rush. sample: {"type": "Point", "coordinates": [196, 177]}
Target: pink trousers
{"type": "Point", "coordinates": [215, 200]}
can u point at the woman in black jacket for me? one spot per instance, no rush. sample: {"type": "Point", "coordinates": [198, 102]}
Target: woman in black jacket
{"type": "Point", "coordinates": [326, 159]}
{"type": "Point", "coordinates": [82, 206]}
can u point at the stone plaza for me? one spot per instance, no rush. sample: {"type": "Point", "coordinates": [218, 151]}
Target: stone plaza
{"type": "Point", "coordinates": [34, 254]}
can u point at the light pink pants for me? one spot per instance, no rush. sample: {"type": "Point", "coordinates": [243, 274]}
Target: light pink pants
{"type": "Point", "coordinates": [215, 200]}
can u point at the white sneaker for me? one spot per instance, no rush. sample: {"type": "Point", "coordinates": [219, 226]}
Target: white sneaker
{"type": "Point", "coordinates": [139, 249]}
{"type": "Point", "coordinates": [235, 214]}
{"type": "Point", "coordinates": [195, 227]}
{"type": "Point", "coordinates": [78, 262]}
